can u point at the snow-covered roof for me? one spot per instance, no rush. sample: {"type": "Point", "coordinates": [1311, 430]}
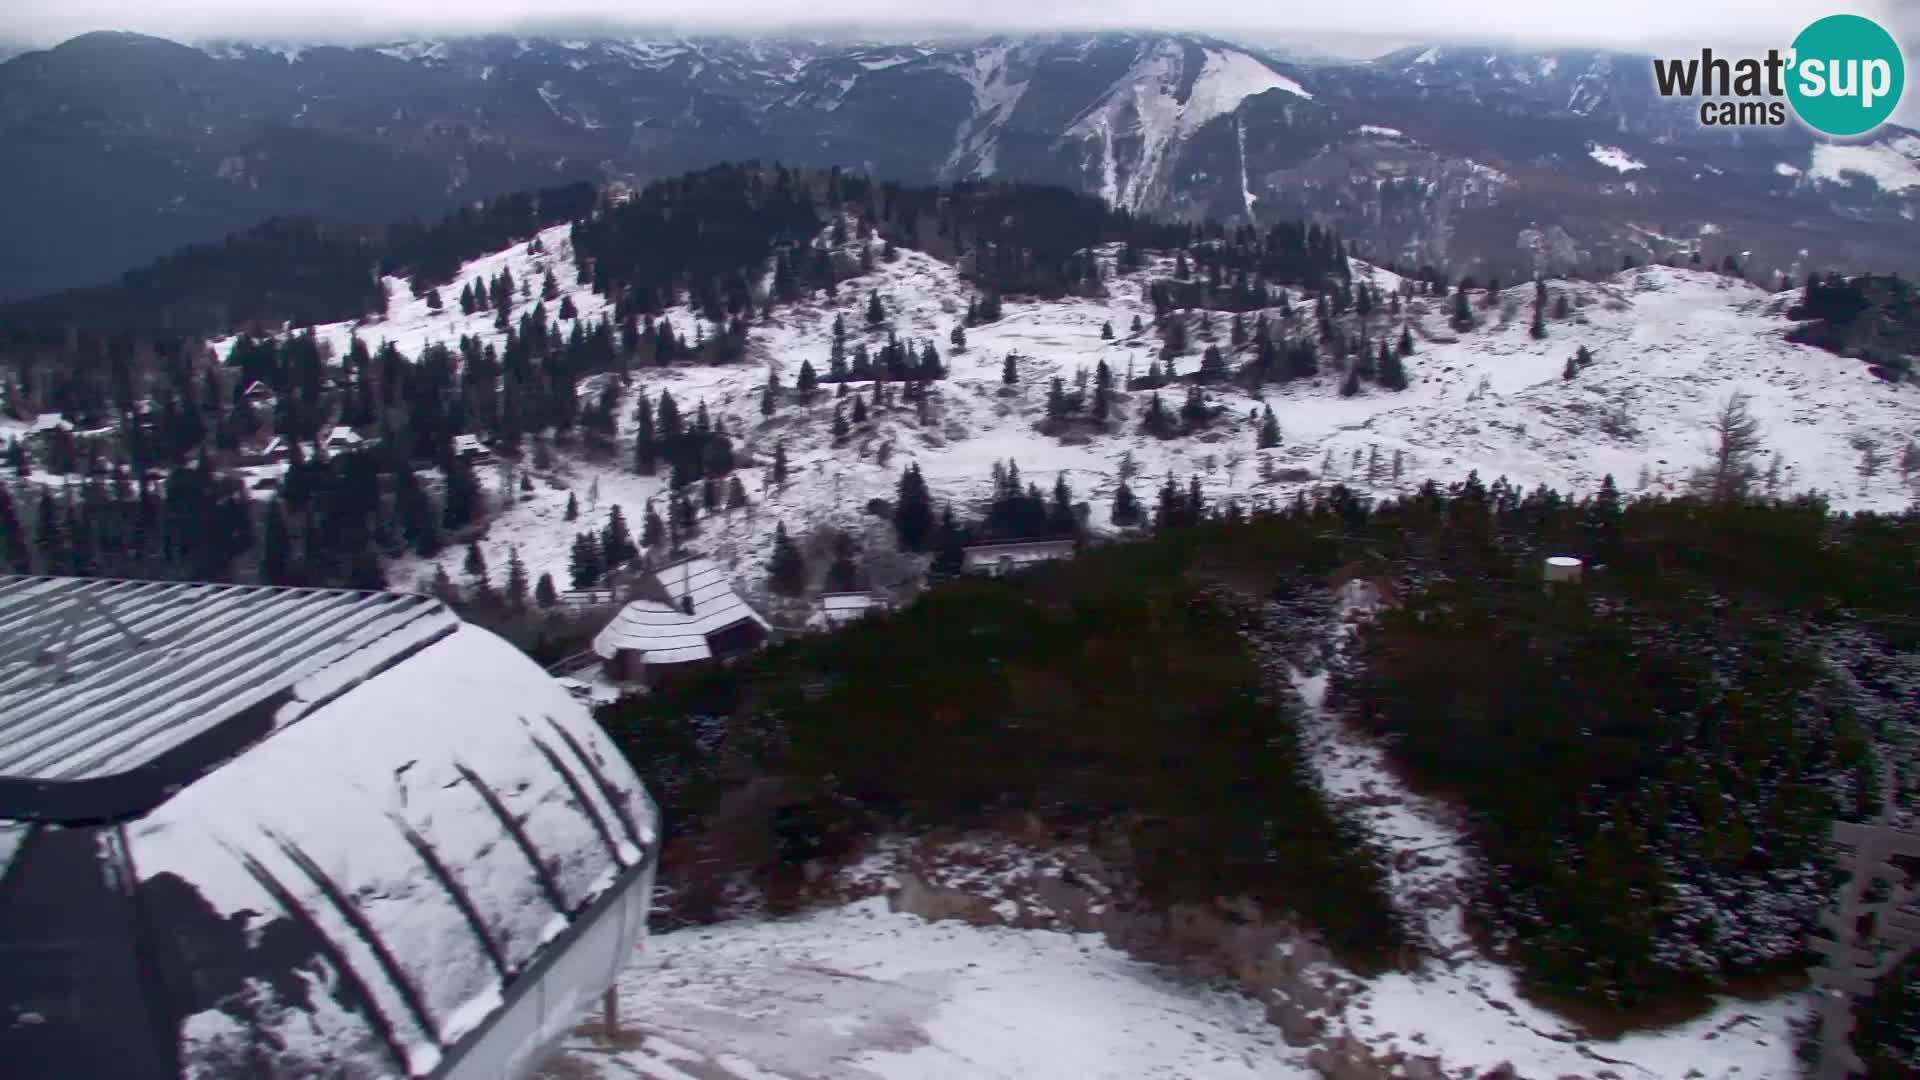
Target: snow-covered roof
{"type": "Point", "coordinates": [99, 677]}
{"type": "Point", "coordinates": [839, 609]}
{"type": "Point", "coordinates": [665, 632]}
{"type": "Point", "coordinates": [374, 858]}
{"type": "Point", "coordinates": [848, 602]}
{"type": "Point", "coordinates": [1013, 546]}
{"type": "Point", "coordinates": [344, 435]}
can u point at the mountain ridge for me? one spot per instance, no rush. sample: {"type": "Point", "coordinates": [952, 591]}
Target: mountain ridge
{"type": "Point", "coordinates": [127, 146]}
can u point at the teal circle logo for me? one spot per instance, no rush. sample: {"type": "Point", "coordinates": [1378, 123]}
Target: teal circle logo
{"type": "Point", "coordinates": [1847, 75]}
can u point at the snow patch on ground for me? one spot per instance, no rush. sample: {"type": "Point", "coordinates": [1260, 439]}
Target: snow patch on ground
{"type": "Point", "coordinates": [1614, 158]}
{"type": "Point", "coordinates": [862, 993]}
{"type": "Point", "coordinates": [1383, 132]}
{"type": "Point", "coordinates": [1892, 166]}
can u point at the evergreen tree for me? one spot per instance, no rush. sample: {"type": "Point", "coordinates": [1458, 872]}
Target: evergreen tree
{"type": "Point", "coordinates": [842, 573]}
{"type": "Point", "coordinates": [860, 407]}
{"type": "Point", "coordinates": [573, 507]}
{"type": "Point", "coordinates": [1462, 314]}
{"type": "Point", "coordinates": [840, 423]}
{"type": "Point", "coordinates": [949, 545]}
{"type": "Point", "coordinates": [475, 565]}
{"type": "Point", "coordinates": [958, 338]}
{"type": "Point", "coordinates": [1126, 508]}
{"type": "Point", "coordinates": [1572, 368]}
{"type": "Point", "coordinates": [807, 382]}
{"type": "Point", "coordinates": [544, 594]}
{"type": "Point", "coordinates": [1157, 421]}
{"type": "Point", "coordinates": [780, 454]}
{"type": "Point", "coordinates": [1137, 327]}
{"type": "Point", "coordinates": [1269, 430]}
{"type": "Point", "coordinates": [1009, 371]}
{"type": "Point", "coordinates": [1106, 331]}
{"type": "Point", "coordinates": [1393, 373]}
{"type": "Point", "coordinates": [1212, 364]}
{"type": "Point", "coordinates": [913, 510]}
{"type": "Point", "coordinates": [584, 564]}
{"type": "Point", "coordinates": [646, 449]}
{"type": "Point", "coordinates": [875, 313]}
{"type": "Point", "coordinates": [517, 574]}
{"type": "Point", "coordinates": [463, 503]}
{"type": "Point", "coordinates": [1060, 516]}
{"type": "Point", "coordinates": [736, 493]}
{"type": "Point", "coordinates": [616, 541]}
{"type": "Point", "coordinates": [1539, 327]}
{"type": "Point", "coordinates": [652, 530]}
{"type": "Point", "coordinates": [1351, 384]}
{"type": "Point", "coordinates": [786, 571]}
{"type": "Point", "coordinates": [434, 303]}
{"type": "Point", "coordinates": [1406, 342]}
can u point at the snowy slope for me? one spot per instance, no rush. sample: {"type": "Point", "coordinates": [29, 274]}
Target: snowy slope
{"type": "Point", "coordinates": [1669, 346]}
{"type": "Point", "coordinates": [1137, 126]}
{"type": "Point", "coordinates": [860, 993]}
{"type": "Point", "coordinates": [1892, 166]}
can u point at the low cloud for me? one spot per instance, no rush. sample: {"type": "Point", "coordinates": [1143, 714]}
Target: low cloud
{"type": "Point", "coordinates": [1346, 29]}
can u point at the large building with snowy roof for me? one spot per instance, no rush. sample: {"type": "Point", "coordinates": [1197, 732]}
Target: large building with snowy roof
{"type": "Point", "coordinates": [684, 616]}
{"type": "Point", "coordinates": [270, 832]}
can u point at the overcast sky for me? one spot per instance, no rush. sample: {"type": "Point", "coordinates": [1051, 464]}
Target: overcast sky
{"type": "Point", "coordinates": [1348, 29]}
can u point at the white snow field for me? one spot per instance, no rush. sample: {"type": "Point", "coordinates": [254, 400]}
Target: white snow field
{"type": "Point", "coordinates": [1669, 345]}
{"type": "Point", "coordinates": [862, 993]}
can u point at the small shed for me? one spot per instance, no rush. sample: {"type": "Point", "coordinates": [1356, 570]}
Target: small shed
{"type": "Point", "coordinates": [343, 439]}
{"type": "Point", "coordinates": [834, 610]}
{"type": "Point", "coordinates": [471, 448]}
{"type": "Point", "coordinates": [685, 616]}
{"type": "Point", "coordinates": [268, 832]}
{"type": "Point", "coordinates": [1005, 558]}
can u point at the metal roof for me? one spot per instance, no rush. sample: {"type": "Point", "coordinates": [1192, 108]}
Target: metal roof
{"type": "Point", "coordinates": [666, 632]}
{"type": "Point", "coordinates": [100, 677]}
{"type": "Point", "coordinates": [426, 875]}
{"type": "Point", "coordinates": [1020, 545]}
{"type": "Point", "coordinates": [848, 601]}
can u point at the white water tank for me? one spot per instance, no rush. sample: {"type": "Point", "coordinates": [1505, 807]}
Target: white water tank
{"type": "Point", "coordinates": [1563, 568]}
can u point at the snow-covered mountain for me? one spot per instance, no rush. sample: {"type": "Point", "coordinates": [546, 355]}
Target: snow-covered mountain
{"type": "Point", "coordinates": [1669, 346]}
{"type": "Point", "coordinates": [122, 147]}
